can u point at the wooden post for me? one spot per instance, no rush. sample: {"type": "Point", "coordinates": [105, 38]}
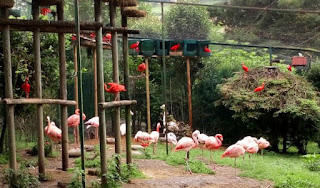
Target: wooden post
{"type": "Point", "coordinates": [126, 83]}
{"type": "Point", "coordinates": [189, 92]}
{"type": "Point", "coordinates": [95, 89]}
{"type": "Point", "coordinates": [9, 91]}
{"type": "Point", "coordinates": [38, 84]}
{"type": "Point", "coordinates": [148, 95]}
{"type": "Point", "coordinates": [63, 92]}
{"type": "Point", "coordinates": [101, 97]}
{"type": "Point", "coordinates": [76, 97]}
{"type": "Point", "coordinates": [115, 63]}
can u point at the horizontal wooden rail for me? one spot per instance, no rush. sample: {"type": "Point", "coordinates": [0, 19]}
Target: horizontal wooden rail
{"type": "Point", "coordinates": [117, 103]}
{"type": "Point", "coordinates": [39, 101]}
{"type": "Point", "coordinates": [59, 26]}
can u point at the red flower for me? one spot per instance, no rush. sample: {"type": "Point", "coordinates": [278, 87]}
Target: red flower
{"type": "Point", "coordinates": [73, 38]}
{"type": "Point", "coordinates": [142, 67]}
{"type": "Point", "coordinates": [92, 35]}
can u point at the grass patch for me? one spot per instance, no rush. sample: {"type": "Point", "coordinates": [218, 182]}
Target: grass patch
{"type": "Point", "coordinates": [286, 170]}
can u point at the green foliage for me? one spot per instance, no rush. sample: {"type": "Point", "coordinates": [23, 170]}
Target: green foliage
{"type": "Point", "coordinates": [312, 161]}
{"type": "Point", "coordinates": [114, 178]}
{"type": "Point", "coordinates": [185, 22]}
{"type": "Point", "coordinates": [313, 75]}
{"type": "Point", "coordinates": [267, 27]}
{"type": "Point", "coordinates": [20, 179]}
{"type": "Point", "coordinates": [47, 149]}
{"type": "Point", "coordinates": [76, 181]}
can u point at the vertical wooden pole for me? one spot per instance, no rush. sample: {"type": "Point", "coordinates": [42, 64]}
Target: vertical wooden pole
{"type": "Point", "coordinates": [101, 111]}
{"type": "Point", "coordinates": [63, 92]}
{"type": "Point", "coordinates": [76, 87]}
{"type": "Point", "coordinates": [38, 84]}
{"type": "Point", "coordinates": [81, 130]}
{"type": "Point", "coordinates": [9, 91]}
{"type": "Point", "coordinates": [115, 63]}
{"type": "Point", "coordinates": [95, 89]}
{"type": "Point", "coordinates": [164, 77]}
{"type": "Point", "coordinates": [148, 95]}
{"type": "Point", "coordinates": [189, 92]}
{"type": "Point", "coordinates": [270, 55]}
{"type": "Point", "coordinates": [127, 85]}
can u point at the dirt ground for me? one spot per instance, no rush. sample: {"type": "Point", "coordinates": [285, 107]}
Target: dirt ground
{"type": "Point", "coordinates": [158, 173]}
{"type": "Point", "coordinates": [162, 175]}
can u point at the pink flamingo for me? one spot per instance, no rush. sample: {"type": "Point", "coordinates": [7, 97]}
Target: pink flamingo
{"type": "Point", "coordinates": [202, 138]}
{"type": "Point", "coordinates": [186, 144]}
{"type": "Point", "coordinates": [74, 121]}
{"type": "Point", "coordinates": [52, 131]}
{"type": "Point", "coordinates": [142, 137]}
{"type": "Point", "coordinates": [154, 136]}
{"type": "Point", "coordinates": [263, 143]}
{"type": "Point", "coordinates": [234, 151]}
{"type": "Point", "coordinates": [93, 122]}
{"type": "Point", "coordinates": [213, 143]}
{"type": "Point", "coordinates": [172, 139]}
{"type": "Point", "coordinates": [249, 143]}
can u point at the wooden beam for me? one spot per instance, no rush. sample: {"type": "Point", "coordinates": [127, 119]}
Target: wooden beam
{"type": "Point", "coordinates": [38, 90]}
{"type": "Point", "coordinates": [117, 103]}
{"type": "Point", "coordinates": [60, 26]}
{"type": "Point", "coordinates": [189, 92]}
{"type": "Point", "coordinates": [101, 96]}
{"type": "Point", "coordinates": [9, 91]}
{"type": "Point", "coordinates": [63, 92]}
{"type": "Point", "coordinates": [148, 95]}
{"type": "Point", "coordinates": [38, 101]}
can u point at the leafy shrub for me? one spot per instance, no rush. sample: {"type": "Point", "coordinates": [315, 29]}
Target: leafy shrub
{"type": "Point", "coordinates": [292, 183]}
{"type": "Point", "coordinates": [20, 179]}
{"type": "Point", "coordinates": [76, 179]}
{"type": "Point", "coordinates": [312, 162]}
{"type": "Point", "coordinates": [47, 149]}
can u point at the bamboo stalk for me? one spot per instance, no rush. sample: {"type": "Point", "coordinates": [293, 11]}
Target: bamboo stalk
{"type": "Point", "coordinates": [63, 93]}
{"type": "Point", "coordinates": [95, 89]}
{"type": "Point", "coordinates": [117, 103]}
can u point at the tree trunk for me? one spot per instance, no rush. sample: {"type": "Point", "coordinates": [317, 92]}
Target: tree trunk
{"type": "Point", "coordinates": [284, 144]}
{"type": "Point", "coordinates": [3, 134]}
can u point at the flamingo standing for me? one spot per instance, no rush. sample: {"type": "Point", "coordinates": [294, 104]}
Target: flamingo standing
{"type": "Point", "coordinates": [263, 143]}
{"type": "Point", "coordinates": [143, 138]}
{"type": "Point", "coordinates": [154, 136]}
{"type": "Point", "coordinates": [202, 138]}
{"type": "Point", "coordinates": [260, 88]}
{"type": "Point", "coordinates": [245, 68]}
{"type": "Point", "coordinates": [52, 131]}
{"type": "Point", "coordinates": [249, 143]}
{"type": "Point", "coordinates": [206, 49]}
{"type": "Point", "coordinates": [93, 122]}
{"type": "Point", "coordinates": [213, 143]}
{"type": "Point", "coordinates": [74, 121]}
{"type": "Point", "coordinates": [141, 68]}
{"type": "Point", "coordinates": [172, 139]}
{"type": "Point", "coordinates": [186, 144]}
{"type": "Point", "coordinates": [175, 47]}
{"type": "Point", "coordinates": [26, 87]}
{"type": "Point", "coordinates": [114, 88]}
{"type": "Point", "coordinates": [123, 128]}
{"type": "Point", "coordinates": [234, 151]}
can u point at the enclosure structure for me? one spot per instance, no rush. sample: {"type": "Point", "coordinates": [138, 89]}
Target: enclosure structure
{"type": "Point", "coordinates": [60, 27]}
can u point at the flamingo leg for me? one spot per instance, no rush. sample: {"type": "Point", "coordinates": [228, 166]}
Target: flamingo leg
{"type": "Point", "coordinates": [154, 150]}
{"type": "Point", "coordinates": [235, 167]}
{"type": "Point", "coordinates": [187, 159]}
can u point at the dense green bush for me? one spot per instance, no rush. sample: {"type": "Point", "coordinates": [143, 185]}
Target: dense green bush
{"type": "Point", "coordinates": [20, 178]}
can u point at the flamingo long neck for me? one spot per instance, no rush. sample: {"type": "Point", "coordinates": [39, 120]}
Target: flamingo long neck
{"type": "Point", "coordinates": [195, 141]}
{"type": "Point", "coordinates": [158, 128]}
{"type": "Point", "coordinates": [218, 140]}
{"type": "Point", "coordinates": [164, 117]}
